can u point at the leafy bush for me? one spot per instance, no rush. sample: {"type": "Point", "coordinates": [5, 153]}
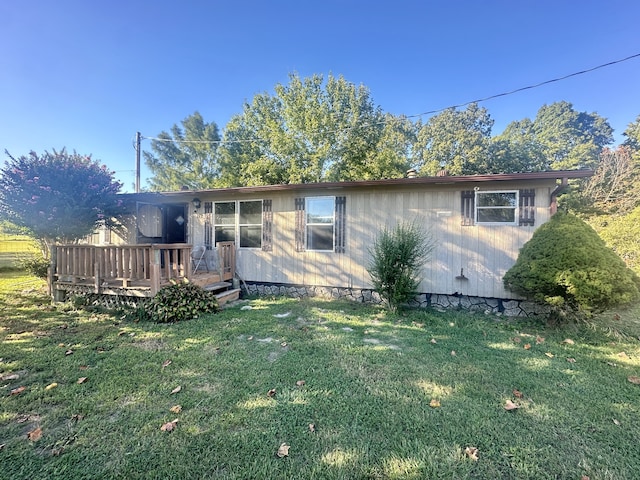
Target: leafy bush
{"type": "Point", "coordinates": [396, 258]}
{"type": "Point", "coordinates": [180, 301]}
{"type": "Point", "coordinates": [621, 233]}
{"type": "Point", "coordinates": [37, 266]}
{"type": "Point", "coordinates": [567, 265]}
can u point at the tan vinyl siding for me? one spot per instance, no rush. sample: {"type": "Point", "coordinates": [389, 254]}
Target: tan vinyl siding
{"type": "Point", "coordinates": [484, 252]}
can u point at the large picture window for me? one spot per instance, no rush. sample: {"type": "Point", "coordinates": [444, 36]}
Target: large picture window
{"type": "Point", "coordinates": [497, 207]}
{"type": "Point", "coordinates": [320, 221]}
{"type": "Point", "coordinates": [239, 222]}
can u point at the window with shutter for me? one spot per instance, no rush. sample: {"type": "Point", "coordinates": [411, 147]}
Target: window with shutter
{"type": "Point", "coordinates": [320, 224]}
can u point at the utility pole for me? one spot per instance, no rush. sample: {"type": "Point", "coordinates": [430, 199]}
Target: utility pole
{"type": "Point", "coordinates": [138, 137]}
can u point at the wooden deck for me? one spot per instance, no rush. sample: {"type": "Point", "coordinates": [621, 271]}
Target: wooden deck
{"type": "Point", "coordinates": [135, 270]}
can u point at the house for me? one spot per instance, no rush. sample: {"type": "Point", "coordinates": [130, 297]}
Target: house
{"type": "Point", "coordinates": [313, 239]}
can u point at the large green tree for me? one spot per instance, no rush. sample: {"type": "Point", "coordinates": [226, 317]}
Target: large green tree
{"type": "Point", "coordinates": [458, 141]}
{"type": "Point", "coordinates": [313, 131]}
{"type": "Point", "coordinates": [559, 138]}
{"type": "Point", "coordinates": [517, 149]}
{"type": "Point", "coordinates": [58, 196]}
{"type": "Point", "coordinates": [186, 157]}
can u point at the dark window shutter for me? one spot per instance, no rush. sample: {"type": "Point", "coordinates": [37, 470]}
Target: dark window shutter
{"type": "Point", "coordinates": [467, 210]}
{"type": "Point", "coordinates": [527, 207]}
{"type": "Point", "coordinates": [267, 222]}
{"type": "Point", "coordinates": [340, 224]}
{"type": "Point", "coordinates": [300, 224]}
{"type": "Point", "coordinates": [208, 207]}
{"type": "Point", "coordinates": [208, 233]}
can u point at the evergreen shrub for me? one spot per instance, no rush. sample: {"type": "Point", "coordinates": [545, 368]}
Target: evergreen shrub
{"type": "Point", "coordinates": [568, 266]}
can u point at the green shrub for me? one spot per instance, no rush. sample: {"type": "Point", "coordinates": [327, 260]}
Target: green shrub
{"type": "Point", "coordinates": [397, 256]}
{"type": "Point", "coordinates": [180, 301]}
{"type": "Point", "coordinates": [567, 265]}
{"type": "Point", "coordinates": [37, 266]}
{"type": "Point", "coordinates": [622, 234]}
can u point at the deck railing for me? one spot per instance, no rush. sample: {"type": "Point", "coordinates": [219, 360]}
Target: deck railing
{"type": "Point", "coordinates": [129, 266]}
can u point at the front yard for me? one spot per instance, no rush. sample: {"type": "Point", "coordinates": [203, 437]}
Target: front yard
{"type": "Point", "coordinates": [351, 392]}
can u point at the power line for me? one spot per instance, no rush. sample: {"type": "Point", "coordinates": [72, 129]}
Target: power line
{"type": "Point", "coordinates": [430, 112]}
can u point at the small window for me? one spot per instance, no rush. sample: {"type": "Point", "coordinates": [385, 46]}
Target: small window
{"type": "Point", "coordinates": [250, 224]}
{"type": "Point", "coordinates": [496, 207]}
{"type": "Point", "coordinates": [320, 219]}
{"type": "Point", "coordinates": [225, 221]}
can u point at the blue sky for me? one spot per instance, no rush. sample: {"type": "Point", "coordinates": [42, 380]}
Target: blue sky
{"type": "Point", "coordinates": [87, 75]}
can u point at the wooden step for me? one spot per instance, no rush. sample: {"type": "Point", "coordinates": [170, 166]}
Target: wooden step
{"type": "Point", "coordinates": [202, 279]}
{"type": "Point", "coordinates": [216, 287]}
{"type": "Point", "coordinates": [228, 296]}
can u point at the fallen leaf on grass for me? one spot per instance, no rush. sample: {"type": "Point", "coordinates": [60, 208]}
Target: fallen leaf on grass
{"type": "Point", "coordinates": [169, 426]}
{"type": "Point", "coordinates": [300, 383]}
{"type": "Point", "coordinates": [166, 363]}
{"type": "Point", "coordinates": [453, 353]}
{"type": "Point", "coordinates": [509, 405]}
{"type": "Point", "coordinates": [283, 451]}
{"type": "Point", "coordinates": [283, 344]}
{"type": "Point", "coordinates": [434, 403]}
{"type": "Point", "coordinates": [516, 339]}
{"type": "Point", "coordinates": [18, 391]}
{"type": "Point", "coordinates": [68, 352]}
{"type": "Point", "coordinates": [433, 340]}
{"type": "Point", "coordinates": [121, 333]}
{"type": "Point", "coordinates": [623, 355]}
{"type": "Point", "coordinates": [517, 393]}
{"type": "Point", "coordinates": [271, 393]}
{"type": "Point", "coordinates": [250, 337]}
{"type": "Point", "coordinates": [83, 367]}
{"type": "Point", "coordinates": [527, 346]}
{"type": "Point", "coordinates": [312, 427]}
{"type": "Point", "coordinates": [83, 379]}
{"type": "Point", "coordinates": [2, 445]}
{"type": "Point", "coordinates": [616, 421]}
{"type": "Point", "coordinates": [472, 453]}
{"type": "Point", "coordinates": [584, 477]}
{"type": "Point", "coordinates": [539, 340]}
{"type": "Point", "coordinates": [13, 376]}
{"type": "Point", "coordinates": [567, 341]}
{"type": "Point", "coordinates": [633, 379]}
{"type": "Point", "coordinates": [51, 386]}
{"type": "Point", "coordinates": [611, 364]}
{"type": "Point", "coordinates": [176, 390]}
{"type": "Point", "coordinates": [176, 409]}
{"type": "Point", "coordinates": [35, 435]}
{"type": "Point", "coordinates": [571, 360]}
{"type": "Point", "coordinates": [76, 417]}
{"type": "Point", "coordinates": [549, 354]}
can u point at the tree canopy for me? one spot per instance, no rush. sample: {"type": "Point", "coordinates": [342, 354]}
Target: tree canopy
{"type": "Point", "coordinates": [313, 131]}
{"type": "Point", "coordinates": [186, 157]}
{"type": "Point", "coordinates": [58, 196]}
{"type": "Point", "coordinates": [457, 141]}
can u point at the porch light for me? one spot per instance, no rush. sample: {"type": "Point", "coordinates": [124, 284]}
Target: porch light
{"type": "Point", "coordinates": [196, 203]}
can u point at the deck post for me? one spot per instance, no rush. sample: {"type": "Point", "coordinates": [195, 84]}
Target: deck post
{"type": "Point", "coordinates": [96, 278]}
{"type": "Point", "coordinates": [155, 271]}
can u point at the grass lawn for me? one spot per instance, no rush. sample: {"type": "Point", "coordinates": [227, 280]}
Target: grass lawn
{"type": "Point", "coordinates": [406, 397]}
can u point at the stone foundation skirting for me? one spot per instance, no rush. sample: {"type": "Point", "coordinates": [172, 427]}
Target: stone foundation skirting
{"type": "Point", "coordinates": [488, 306]}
